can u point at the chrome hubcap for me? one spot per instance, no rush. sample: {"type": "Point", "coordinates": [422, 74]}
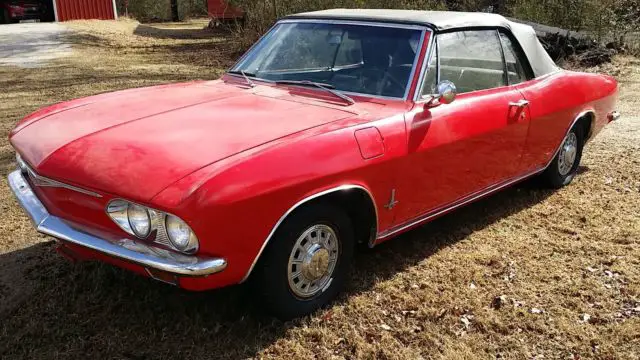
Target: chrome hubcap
{"type": "Point", "coordinates": [316, 262]}
{"type": "Point", "coordinates": [567, 155]}
{"type": "Point", "coordinates": [312, 261]}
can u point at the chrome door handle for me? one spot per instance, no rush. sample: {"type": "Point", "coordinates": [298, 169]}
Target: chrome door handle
{"type": "Point", "coordinates": [522, 103]}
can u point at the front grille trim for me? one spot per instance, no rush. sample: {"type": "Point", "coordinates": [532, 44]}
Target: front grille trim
{"type": "Point", "coordinates": [42, 181]}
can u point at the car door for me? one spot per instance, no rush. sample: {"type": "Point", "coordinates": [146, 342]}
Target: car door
{"type": "Point", "coordinates": [457, 150]}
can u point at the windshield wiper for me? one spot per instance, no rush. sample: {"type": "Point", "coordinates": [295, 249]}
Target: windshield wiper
{"type": "Point", "coordinates": [323, 86]}
{"type": "Point", "coordinates": [245, 75]}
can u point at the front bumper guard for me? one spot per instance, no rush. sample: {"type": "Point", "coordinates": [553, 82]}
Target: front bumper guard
{"type": "Point", "coordinates": [614, 116]}
{"type": "Point", "coordinates": [129, 250]}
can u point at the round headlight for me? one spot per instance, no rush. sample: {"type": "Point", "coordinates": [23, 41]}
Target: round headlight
{"type": "Point", "coordinates": [180, 234]}
{"type": "Point", "coordinates": [139, 220]}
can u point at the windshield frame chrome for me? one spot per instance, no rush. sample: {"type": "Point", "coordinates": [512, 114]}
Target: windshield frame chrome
{"type": "Point", "coordinates": [432, 50]}
{"type": "Point", "coordinates": [424, 30]}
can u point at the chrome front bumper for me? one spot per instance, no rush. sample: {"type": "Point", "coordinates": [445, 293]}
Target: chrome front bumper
{"type": "Point", "coordinates": [125, 249]}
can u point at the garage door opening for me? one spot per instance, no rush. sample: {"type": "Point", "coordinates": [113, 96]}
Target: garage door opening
{"type": "Point", "coordinates": [15, 11]}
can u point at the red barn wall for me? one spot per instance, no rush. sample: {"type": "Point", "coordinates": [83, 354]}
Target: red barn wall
{"type": "Point", "coordinates": [219, 9]}
{"type": "Point", "coordinates": [85, 9]}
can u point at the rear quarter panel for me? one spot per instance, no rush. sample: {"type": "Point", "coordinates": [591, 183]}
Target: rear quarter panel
{"type": "Point", "coordinates": [556, 100]}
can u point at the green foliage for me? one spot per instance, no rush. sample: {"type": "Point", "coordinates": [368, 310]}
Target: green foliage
{"type": "Point", "coordinates": [567, 14]}
{"type": "Point", "coordinates": [192, 8]}
{"type": "Point", "coordinates": [607, 20]}
{"type": "Point", "coordinates": [260, 15]}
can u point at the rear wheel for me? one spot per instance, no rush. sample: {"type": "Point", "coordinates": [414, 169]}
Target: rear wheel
{"type": "Point", "coordinates": [564, 166]}
{"type": "Point", "coordinates": [306, 263]}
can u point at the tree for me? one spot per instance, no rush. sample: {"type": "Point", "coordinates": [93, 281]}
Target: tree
{"type": "Point", "coordinates": [174, 10]}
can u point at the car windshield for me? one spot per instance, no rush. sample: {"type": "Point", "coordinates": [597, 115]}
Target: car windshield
{"type": "Point", "coordinates": [355, 58]}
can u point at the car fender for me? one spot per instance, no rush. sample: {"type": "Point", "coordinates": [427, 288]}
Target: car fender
{"type": "Point", "coordinates": [236, 205]}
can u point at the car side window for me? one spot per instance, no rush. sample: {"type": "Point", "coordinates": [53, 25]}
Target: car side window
{"type": "Point", "coordinates": [515, 69]}
{"type": "Point", "coordinates": [472, 60]}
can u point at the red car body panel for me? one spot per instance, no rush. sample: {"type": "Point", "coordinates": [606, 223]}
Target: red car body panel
{"type": "Point", "coordinates": [232, 160]}
{"type": "Point", "coordinates": [468, 145]}
{"type": "Point", "coordinates": [108, 145]}
{"type": "Point", "coordinates": [560, 96]}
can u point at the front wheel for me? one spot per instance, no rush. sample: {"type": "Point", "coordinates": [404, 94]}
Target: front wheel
{"type": "Point", "coordinates": [564, 165]}
{"type": "Point", "coordinates": [306, 263]}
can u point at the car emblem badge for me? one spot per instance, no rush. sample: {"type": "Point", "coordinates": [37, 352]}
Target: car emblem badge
{"type": "Point", "coordinates": [42, 181]}
{"type": "Point", "coordinates": [392, 202]}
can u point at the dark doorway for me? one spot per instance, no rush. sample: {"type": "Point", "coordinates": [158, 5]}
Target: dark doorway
{"type": "Point", "coordinates": [15, 11]}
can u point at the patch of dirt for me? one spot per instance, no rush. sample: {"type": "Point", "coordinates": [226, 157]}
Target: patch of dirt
{"type": "Point", "coordinates": [526, 273]}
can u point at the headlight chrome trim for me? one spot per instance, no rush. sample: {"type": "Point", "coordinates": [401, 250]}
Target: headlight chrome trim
{"type": "Point", "coordinates": [117, 211]}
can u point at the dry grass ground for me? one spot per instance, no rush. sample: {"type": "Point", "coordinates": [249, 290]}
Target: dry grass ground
{"type": "Point", "coordinates": [566, 263]}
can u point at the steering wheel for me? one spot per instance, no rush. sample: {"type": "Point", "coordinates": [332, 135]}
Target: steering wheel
{"type": "Point", "coordinates": [386, 78]}
{"type": "Point", "coordinates": [390, 79]}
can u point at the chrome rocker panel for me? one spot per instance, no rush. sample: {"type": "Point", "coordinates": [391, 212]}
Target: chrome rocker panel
{"type": "Point", "coordinates": [125, 249]}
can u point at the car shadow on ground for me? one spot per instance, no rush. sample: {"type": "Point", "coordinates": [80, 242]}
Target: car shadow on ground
{"type": "Point", "coordinates": [49, 306]}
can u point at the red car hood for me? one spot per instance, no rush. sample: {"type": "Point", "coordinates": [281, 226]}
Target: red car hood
{"type": "Point", "coordinates": [137, 142]}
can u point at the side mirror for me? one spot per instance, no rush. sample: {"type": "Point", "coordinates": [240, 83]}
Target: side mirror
{"type": "Point", "coordinates": [446, 94]}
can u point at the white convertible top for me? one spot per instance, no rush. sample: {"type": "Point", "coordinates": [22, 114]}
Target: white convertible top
{"type": "Point", "coordinates": [539, 60]}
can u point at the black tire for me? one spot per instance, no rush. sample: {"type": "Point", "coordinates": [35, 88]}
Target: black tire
{"type": "Point", "coordinates": [4, 17]}
{"type": "Point", "coordinates": [270, 277]}
{"type": "Point", "coordinates": [552, 177]}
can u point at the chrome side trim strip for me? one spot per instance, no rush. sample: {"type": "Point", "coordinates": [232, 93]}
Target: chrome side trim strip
{"type": "Point", "coordinates": [124, 249]}
{"type": "Point", "coordinates": [298, 204]}
{"type": "Point", "coordinates": [464, 201]}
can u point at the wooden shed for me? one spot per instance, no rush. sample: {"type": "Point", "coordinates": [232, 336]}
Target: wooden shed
{"type": "Point", "coordinates": [84, 9]}
{"type": "Point", "coordinates": [221, 10]}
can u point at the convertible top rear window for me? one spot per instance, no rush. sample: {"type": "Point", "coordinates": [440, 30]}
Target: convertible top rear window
{"type": "Point", "coordinates": [355, 58]}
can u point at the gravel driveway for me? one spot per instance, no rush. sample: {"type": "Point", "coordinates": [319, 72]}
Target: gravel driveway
{"type": "Point", "coordinates": [33, 44]}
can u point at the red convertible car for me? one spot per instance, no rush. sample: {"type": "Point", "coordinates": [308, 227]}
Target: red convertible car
{"type": "Point", "coordinates": [338, 127]}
